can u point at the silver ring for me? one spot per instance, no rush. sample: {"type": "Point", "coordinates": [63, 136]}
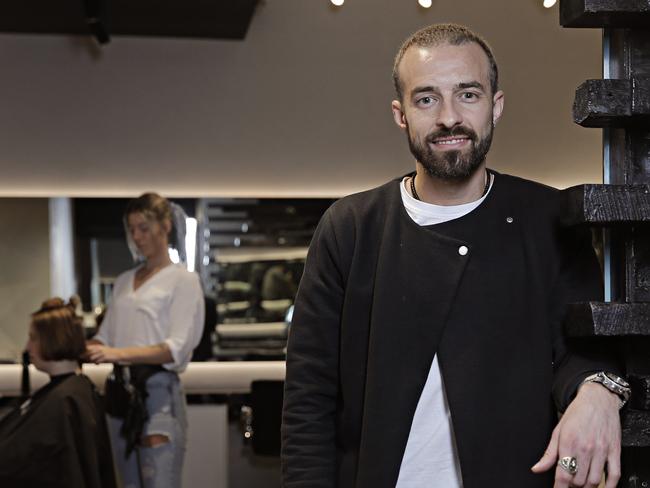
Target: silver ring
{"type": "Point", "coordinates": [569, 464]}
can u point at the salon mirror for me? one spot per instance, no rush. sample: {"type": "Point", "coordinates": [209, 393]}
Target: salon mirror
{"type": "Point", "coordinates": [249, 253]}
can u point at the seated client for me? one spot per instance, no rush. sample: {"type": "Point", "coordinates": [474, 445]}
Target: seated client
{"type": "Point", "coordinates": [58, 437]}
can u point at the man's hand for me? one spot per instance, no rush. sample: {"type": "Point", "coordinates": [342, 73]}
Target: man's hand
{"type": "Point", "coordinates": [99, 353]}
{"type": "Point", "coordinates": [590, 431]}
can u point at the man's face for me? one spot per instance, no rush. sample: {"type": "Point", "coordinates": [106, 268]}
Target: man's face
{"type": "Point", "coordinates": [448, 110]}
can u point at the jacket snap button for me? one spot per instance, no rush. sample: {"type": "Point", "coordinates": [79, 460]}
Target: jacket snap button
{"type": "Point", "coordinates": [510, 220]}
{"type": "Point", "coordinates": [462, 250]}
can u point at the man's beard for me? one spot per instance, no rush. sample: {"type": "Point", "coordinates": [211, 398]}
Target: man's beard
{"type": "Point", "coordinates": [451, 165]}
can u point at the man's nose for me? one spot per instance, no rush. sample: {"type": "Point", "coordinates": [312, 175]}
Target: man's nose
{"type": "Point", "coordinates": [448, 116]}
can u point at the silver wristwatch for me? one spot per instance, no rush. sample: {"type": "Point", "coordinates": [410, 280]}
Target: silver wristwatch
{"type": "Point", "coordinates": [613, 383]}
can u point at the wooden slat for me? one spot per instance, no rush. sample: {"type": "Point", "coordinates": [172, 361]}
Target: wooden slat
{"type": "Point", "coordinates": [600, 103]}
{"type": "Point", "coordinates": [612, 319]}
{"type": "Point", "coordinates": [606, 204]}
{"type": "Point", "coordinates": [612, 103]}
{"type": "Point", "coordinates": [605, 13]}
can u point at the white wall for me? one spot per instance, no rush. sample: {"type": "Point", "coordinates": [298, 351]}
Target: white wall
{"type": "Point", "coordinates": [24, 268]}
{"type": "Point", "coordinates": [301, 107]}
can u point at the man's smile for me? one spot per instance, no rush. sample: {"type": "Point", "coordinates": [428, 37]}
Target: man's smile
{"type": "Point", "coordinates": [453, 142]}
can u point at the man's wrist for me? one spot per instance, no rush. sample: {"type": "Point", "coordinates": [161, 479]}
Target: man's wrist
{"type": "Point", "coordinates": [615, 385]}
{"type": "Point", "coordinates": [598, 389]}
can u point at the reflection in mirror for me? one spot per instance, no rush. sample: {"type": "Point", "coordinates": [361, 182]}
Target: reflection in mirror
{"type": "Point", "coordinates": [256, 289]}
{"type": "Point", "coordinates": [250, 254]}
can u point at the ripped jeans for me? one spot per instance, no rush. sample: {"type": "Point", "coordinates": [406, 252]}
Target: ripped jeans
{"type": "Point", "coordinates": [160, 466]}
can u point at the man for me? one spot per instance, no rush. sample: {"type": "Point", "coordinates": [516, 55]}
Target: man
{"type": "Point", "coordinates": [426, 348]}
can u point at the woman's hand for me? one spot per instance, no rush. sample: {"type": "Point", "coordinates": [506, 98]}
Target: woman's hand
{"type": "Point", "coordinates": [99, 353]}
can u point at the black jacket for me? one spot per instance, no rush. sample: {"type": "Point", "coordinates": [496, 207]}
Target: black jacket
{"type": "Point", "coordinates": [381, 296]}
{"type": "Point", "coordinates": [57, 440]}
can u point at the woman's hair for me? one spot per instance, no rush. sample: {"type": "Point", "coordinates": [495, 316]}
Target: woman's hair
{"type": "Point", "coordinates": [60, 331]}
{"type": "Point", "coordinates": [153, 207]}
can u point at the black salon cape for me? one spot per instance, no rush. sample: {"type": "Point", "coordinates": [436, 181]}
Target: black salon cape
{"type": "Point", "coordinates": [380, 296]}
{"type": "Point", "coordinates": [59, 440]}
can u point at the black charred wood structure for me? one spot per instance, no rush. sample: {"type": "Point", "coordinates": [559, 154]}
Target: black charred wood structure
{"type": "Point", "coordinates": [612, 103]}
{"type": "Point", "coordinates": [605, 13]}
{"type": "Point", "coordinates": [606, 204]}
{"type": "Point", "coordinates": [620, 208]}
{"type": "Point", "coordinates": [612, 319]}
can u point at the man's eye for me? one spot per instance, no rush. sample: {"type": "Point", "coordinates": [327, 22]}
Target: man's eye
{"type": "Point", "coordinates": [425, 101]}
{"type": "Point", "coordinates": [469, 96]}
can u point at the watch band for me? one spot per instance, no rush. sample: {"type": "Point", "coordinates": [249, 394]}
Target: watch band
{"type": "Point", "coordinates": [613, 383]}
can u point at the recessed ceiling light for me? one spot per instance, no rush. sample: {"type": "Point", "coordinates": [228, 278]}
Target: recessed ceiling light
{"type": "Point", "coordinates": [549, 3]}
{"type": "Point", "coordinates": [425, 3]}
{"type": "Point", "coordinates": [338, 3]}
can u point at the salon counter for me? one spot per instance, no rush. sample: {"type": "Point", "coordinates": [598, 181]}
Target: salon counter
{"type": "Point", "coordinates": [207, 457]}
{"type": "Point", "coordinates": [199, 378]}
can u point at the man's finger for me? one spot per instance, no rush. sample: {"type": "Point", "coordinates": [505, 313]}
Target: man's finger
{"type": "Point", "coordinates": [550, 455]}
{"type": "Point", "coordinates": [581, 478]}
{"type": "Point", "coordinates": [596, 469]}
{"type": "Point", "coordinates": [562, 478]}
{"type": "Point", "coordinates": [613, 470]}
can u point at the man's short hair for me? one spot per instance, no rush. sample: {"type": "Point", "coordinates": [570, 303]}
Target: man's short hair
{"type": "Point", "coordinates": [59, 330]}
{"type": "Point", "coordinates": [437, 34]}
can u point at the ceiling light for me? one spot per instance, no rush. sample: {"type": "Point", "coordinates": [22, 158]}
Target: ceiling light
{"type": "Point", "coordinates": [425, 3]}
{"type": "Point", "coordinates": [549, 3]}
{"type": "Point", "coordinates": [338, 3]}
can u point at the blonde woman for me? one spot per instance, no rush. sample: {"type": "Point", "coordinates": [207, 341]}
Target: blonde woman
{"type": "Point", "coordinates": [151, 326]}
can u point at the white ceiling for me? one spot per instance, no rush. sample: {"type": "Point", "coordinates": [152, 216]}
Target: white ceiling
{"type": "Point", "coordinates": [300, 108]}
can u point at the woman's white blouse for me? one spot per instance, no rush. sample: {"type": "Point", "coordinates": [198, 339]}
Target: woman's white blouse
{"type": "Point", "coordinates": [168, 307]}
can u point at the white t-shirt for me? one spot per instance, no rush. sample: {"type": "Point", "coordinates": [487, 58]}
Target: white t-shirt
{"type": "Point", "coordinates": [168, 308]}
{"type": "Point", "coordinates": [430, 458]}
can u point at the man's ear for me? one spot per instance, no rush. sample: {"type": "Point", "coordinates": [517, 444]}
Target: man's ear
{"type": "Point", "coordinates": [398, 114]}
{"type": "Point", "coordinates": [497, 106]}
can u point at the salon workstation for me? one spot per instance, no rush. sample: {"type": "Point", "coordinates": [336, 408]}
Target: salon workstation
{"type": "Point", "coordinates": [221, 133]}
{"type": "Point", "coordinates": [208, 439]}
